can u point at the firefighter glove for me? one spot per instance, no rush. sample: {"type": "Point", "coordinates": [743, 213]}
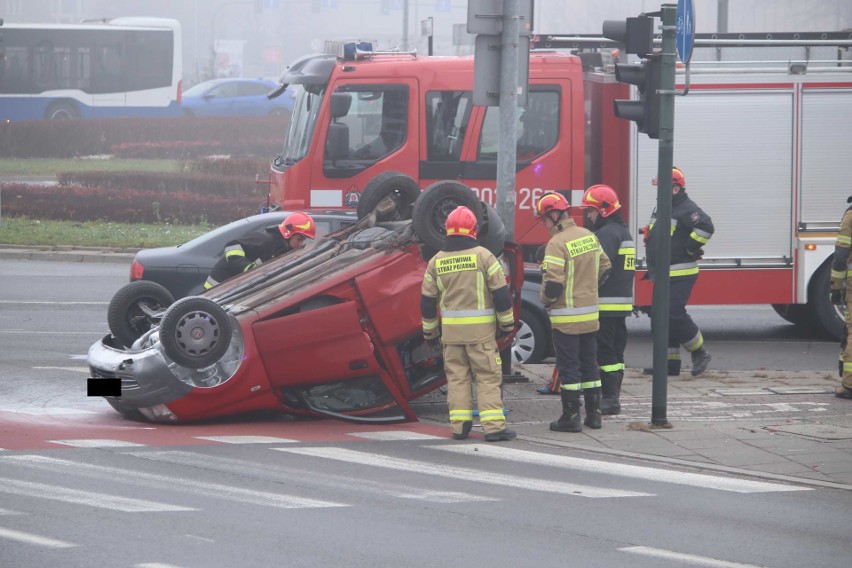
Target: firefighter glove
{"type": "Point", "coordinates": [698, 254]}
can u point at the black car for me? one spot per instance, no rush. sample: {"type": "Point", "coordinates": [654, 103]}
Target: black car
{"type": "Point", "coordinates": [182, 269]}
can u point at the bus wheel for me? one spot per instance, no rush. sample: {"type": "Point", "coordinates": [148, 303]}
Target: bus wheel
{"type": "Point", "coordinates": [61, 111]}
{"type": "Point", "coordinates": [825, 316]}
{"type": "Point", "coordinates": [433, 206]}
{"type": "Point", "coordinates": [391, 195]}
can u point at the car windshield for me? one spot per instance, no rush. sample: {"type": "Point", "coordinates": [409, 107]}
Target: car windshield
{"type": "Point", "coordinates": [302, 123]}
{"type": "Point", "coordinates": [197, 90]}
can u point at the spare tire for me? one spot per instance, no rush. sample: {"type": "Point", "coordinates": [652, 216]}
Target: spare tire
{"type": "Point", "coordinates": [195, 332]}
{"type": "Point", "coordinates": [433, 206]}
{"type": "Point", "coordinates": [135, 309]}
{"type": "Point", "coordinates": [399, 187]}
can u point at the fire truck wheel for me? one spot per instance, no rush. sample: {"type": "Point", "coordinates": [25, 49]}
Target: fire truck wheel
{"type": "Point", "coordinates": [793, 313]}
{"type": "Point", "coordinates": [400, 190]}
{"type": "Point", "coordinates": [433, 206]}
{"type": "Point", "coordinates": [135, 309]}
{"type": "Point", "coordinates": [195, 332]}
{"type": "Point", "coordinates": [825, 317]}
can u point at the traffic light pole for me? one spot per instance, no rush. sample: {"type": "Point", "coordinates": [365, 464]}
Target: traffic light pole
{"type": "Point", "coordinates": [660, 300]}
{"type": "Point", "coordinates": [507, 155]}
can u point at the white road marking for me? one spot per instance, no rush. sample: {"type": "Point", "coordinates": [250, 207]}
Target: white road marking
{"type": "Point", "coordinates": [691, 559]}
{"type": "Point", "coordinates": [30, 302]}
{"type": "Point", "coordinates": [9, 512]}
{"type": "Point", "coordinates": [96, 443]}
{"type": "Point", "coordinates": [168, 483]}
{"type": "Point", "coordinates": [77, 369]}
{"type": "Point", "coordinates": [247, 439]}
{"type": "Point", "coordinates": [394, 435]}
{"type": "Point", "coordinates": [285, 475]}
{"type": "Point", "coordinates": [28, 332]}
{"type": "Point", "coordinates": [476, 475]}
{"type": "Point", "coordinates": [30, 538]}
{"type": "Point", "coordinates": [77, 497]}
{"type": "Point", "coordinates": [41, 411]}
{"type": "Point", "coordinates": [155, 565]}
{"type": "Point", "coordinates": [623, 470]}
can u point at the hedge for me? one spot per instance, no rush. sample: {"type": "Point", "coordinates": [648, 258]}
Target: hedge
{"type": "Point", "coordinates": [86, 137]}
{"type": "Point", "coordinates": [75, 203]}
{"type": "Point", "coordinates": [169, 182]}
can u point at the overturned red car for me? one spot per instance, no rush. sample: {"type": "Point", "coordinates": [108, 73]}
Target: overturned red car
{"type": "Point", "coordinates": [331, 330]}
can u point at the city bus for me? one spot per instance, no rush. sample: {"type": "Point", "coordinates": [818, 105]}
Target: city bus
{"type": "Point", "coordinates": [95, 69]}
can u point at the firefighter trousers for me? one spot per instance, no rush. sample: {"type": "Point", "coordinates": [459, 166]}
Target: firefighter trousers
{"type": "Point", "coordinates": [481, 363]}
{"type": "Point", "coordinates": [612, 340]}
{"type": "Point", "coordinates": [846, 355]}
{"type": "Point", "coordinates": [576, 360]}
{"type": "Point", "coordinates": [682, 330]}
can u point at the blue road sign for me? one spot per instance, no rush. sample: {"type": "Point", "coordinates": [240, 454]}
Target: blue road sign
{"type": "Point", "coordinates": [685, 33]}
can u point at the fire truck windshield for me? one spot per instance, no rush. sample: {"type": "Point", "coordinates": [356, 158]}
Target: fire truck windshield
{"type": "Point", "coordinates": [303, 122]}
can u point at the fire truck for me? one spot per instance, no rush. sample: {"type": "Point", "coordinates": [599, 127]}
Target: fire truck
{"type": "Point", "coordinates": [764, 136]}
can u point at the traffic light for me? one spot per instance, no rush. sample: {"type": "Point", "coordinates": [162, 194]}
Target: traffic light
{"type": "Point", "coordinates": [638, 38]}
{"type": "Point", "coordinates": [645, 111]}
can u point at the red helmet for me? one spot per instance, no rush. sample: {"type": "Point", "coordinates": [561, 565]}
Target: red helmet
{"type": "Point", "coordinates": [678, 178]}
{"type": "Point", "coordinates": [603, 198]}
{"type": "Point", "coordinates": [298, 224]}
{"type": "Point", "coordinates": [462, 222]}
{"type": "Point", "coordinates": [551, 202]}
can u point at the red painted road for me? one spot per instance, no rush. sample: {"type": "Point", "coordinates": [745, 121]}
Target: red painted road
{"type": "Point", "coordinates": [26, 430]}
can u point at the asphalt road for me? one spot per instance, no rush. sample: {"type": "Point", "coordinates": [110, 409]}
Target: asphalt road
{"type": "Point", "coordinates": [318, 494]}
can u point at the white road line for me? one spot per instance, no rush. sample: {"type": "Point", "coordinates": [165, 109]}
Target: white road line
{"type": "Point", "coordinates": [28, 332]}
{"type": "Point", "coordinates": [9, 512]}
{"type": "Point", "coordinates": [41, 411]}
{"type": "Point", "coordinates": [97, 443]}
{"type": "Point", "coordinates": [77, 369]}
{"type": "Point", "coordinates": [247, 439]}
{"type": "Point", "coordinates": [99, 500]}
{"type": "Point", "coordinates": [684, 558]}
{"type": "Point", "coordinates": [167, 483]}
{"type": "Point", "coordinates": [30, 302]}
{"type": "Point", "coordinates": [476, 475]}
{"type": "Point", "coordinates": [30, 538]}
{"type": "Point", "coordinates": [393, 436]}
{"type": "Point", "coordinates": [283, 474]}
{"type": "Point", "coordinates": [624, 470]}
{"type": "Point", "coordinates": [155, 565]}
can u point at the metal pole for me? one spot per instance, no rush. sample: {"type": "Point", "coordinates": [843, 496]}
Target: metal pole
{"type": "Point", "coordinates": [660, 301]}
{"type": "Point", "coordinates": [722, 17]}
{"type": "Point", "coordinates": [404, 25]}
{"type": "Point", "coordinates": [507, 150]}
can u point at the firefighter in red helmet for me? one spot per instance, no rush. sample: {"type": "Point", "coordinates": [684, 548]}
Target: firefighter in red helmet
{"type": "Point", "coordinates": [469, 285]}
{"type": "Point", "coordinates": [573, 267]}
{"type": "Point", "coordinates": [249, 251]}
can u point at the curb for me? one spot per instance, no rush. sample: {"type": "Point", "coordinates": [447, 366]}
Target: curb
{"type": "Point", "coordinates": [67, 254]}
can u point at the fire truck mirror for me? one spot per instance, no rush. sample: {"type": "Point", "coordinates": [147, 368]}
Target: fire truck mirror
{"type": "Point", "coordinates": [339, 105]}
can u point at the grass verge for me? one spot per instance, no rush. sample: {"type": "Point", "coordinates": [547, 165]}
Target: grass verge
{"type": "Point", "coordinates": [47, 167]}
{"type": "Point", "coordinates": [21, 231]}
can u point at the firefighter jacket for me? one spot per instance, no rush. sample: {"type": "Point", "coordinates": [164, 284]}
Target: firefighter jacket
{"type": "Point", "coordinates": [842, 261]}
{"type": "Point", "coordinates": [615, 296]}
{"type": "Point", "coordinates": [245, 253]}
{"type": "Point", "coordinates": [691, 228]}
{"type": "Point", "coordinates": [573, 264]}
{"type": "Point", "coordinates": [468, 284]}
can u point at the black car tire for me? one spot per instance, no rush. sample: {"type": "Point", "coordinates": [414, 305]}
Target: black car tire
{"type": "Point", "coordinates": [61, 111]}
{"type": "Point", "coordinates": [825, 316]}
{"type": "Point", "coordinates": [402, 188]}
{"type": "Point", "coordinates": [531, 339]}
{"type": "Point", "coordinates": [134, 310]}
{"type": "Point", "coordinates": [433, 206]}
{"type": "Point", "coordinates": [492, 233]}
{"type": "Point", "coordinates": [195, 332]}
{"type": "Point", "coordinates": [128, 412]}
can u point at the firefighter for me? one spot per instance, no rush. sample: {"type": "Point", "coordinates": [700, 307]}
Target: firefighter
{"type": "Point", "coordinates": [573, 267]}
{"type": "Point", "coordinates": [468, 283]}
{"type": "Point", "coordinates": [841, 296]}
{"type": "Point", "coordinates": [249, 251]}
{"type": "Point", "coordinates": [691, 229]}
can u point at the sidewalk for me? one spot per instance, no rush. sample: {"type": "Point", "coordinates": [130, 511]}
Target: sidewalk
{"type": "Point", "coordinates": [778, 425]}
{"type": "Point", "coordinates": [66, 253]}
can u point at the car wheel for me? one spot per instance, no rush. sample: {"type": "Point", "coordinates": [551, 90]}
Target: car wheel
{"type": "Point", "coordinates": [128, 412]}
{"type": "Point", "coordinates": [61, 111]}
{"type": "Point", "coordinates": [530, 342]}
{"type": "Point", "coordinates": [135, 309]}
{"type": "Point", "coordinates": [402, 191]}
{"type": "Point", "coordinates": [433, 206]}
{"type": "Point", "coordinates": [195, 332]}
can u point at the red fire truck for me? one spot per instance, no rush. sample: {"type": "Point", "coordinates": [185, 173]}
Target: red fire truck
{"type": "Point", "coordinates": [763, 137]}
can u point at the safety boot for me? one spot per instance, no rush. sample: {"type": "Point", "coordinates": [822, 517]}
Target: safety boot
{"type": "Point", "coordinates": [503, 435]}
{"type": "Point", "coordinates": [570, 419]}
{"type": "Point", "coordinates": [840, 392]}
{"type": "Point", "coordinates": [593, 408]}
{"type": "Point", "coordinates": [466, 427]}
{"type": "Point", "coordinates": [700, 360]}
{"type": "Point", "coordinates": [611, 391]}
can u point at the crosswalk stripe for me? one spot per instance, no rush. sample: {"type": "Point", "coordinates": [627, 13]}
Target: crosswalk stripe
{"type": "Point", "coordinates": [477, 475]}
{"type": "Point", "coordinates": [30, 538]}
{"type": "Point", "coordinates": [97, 443]}
{"type": "Point", "coordinates": [623, 470]}
{"type": "Point", "coordinates": [682, 558]}
{"type": "Point", "coordinates": [168, 483]}
{"type": "Point", "coordinates": [77, 497]}
{"type": "Point", "coordinates": [284, 474]}
{"type": "Point", "coordinates": [393, 436]}
{"type": "Point", "coordinates": [9, 512]}
{"type": "Point", "coordinates": [247, 439]}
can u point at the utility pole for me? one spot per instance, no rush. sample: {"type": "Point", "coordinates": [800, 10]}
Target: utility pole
{"type": "Point", "coordinates": [507, 149]}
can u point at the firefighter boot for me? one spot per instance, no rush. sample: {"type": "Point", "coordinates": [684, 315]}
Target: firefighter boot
{"type": "Point", "coordinates": [593, 408]}
{"type": "Point", "coordinates": [839, 392]}
{"type": "Point", "coordinates": [570, 419]}
{"type": "Point", "coordinates": [611, 390]}
{"type": "Point", "coordinates": [467, 425]}
{"type": "Point", "coordinates": [700, 360]}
